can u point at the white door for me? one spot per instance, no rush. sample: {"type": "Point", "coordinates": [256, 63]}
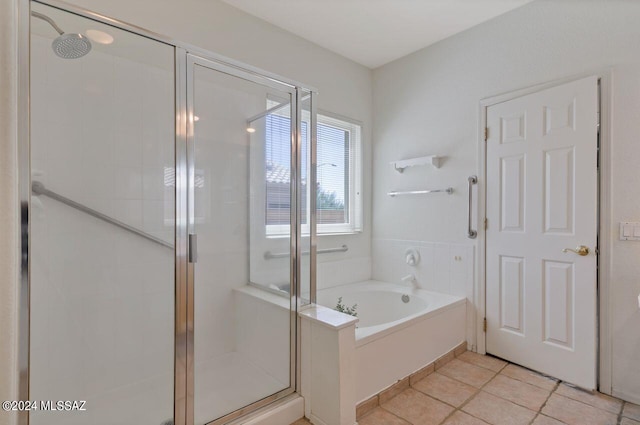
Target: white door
{"type": "Point", "coordinates": [541, 199]}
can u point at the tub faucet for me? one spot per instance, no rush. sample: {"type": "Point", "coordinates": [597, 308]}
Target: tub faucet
{"type": "Point", "coordinates": [410, 279]}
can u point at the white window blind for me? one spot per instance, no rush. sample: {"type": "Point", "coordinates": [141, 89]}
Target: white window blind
{"type": "Point", "coordinates": [338, 174]}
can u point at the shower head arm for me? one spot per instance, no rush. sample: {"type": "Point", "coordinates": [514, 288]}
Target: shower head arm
{"type": "Point", "coordinates": [47, 19]}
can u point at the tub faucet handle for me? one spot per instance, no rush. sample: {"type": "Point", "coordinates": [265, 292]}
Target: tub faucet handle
{"type": "Point", "coordinates": [410, 279]}
{"type": "Point", "coordinates": [412, 257]}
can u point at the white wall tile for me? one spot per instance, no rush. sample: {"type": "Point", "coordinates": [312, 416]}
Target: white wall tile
{"type": "Point", "coordinates": [128, 183]}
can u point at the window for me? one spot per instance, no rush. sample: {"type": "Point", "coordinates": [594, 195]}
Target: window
{"type": "Point", "coordinates": [339, 199]}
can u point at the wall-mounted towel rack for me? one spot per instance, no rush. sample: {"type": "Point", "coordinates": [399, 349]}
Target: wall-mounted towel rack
{"type": "Point", "coordinates": [395, 193]}
{"type": "Point", "coordinates": [434, 160]}
{"type": "Point", "coordinates": [39, 188]}
{"type": "Point", "coordinates": [269, 255]}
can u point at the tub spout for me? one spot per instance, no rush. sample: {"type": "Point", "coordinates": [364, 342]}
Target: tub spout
{"type": "Point", "coordinates": [410, 279]}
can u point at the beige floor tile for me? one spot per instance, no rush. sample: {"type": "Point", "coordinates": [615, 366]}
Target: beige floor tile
{"type": "Point", "coordinates": [631, 411]}
{"type": "Point", "coordinates": [598, 400]}
{"type": "Point", "coordinates": [528, 376]}
{"type": "Point", "coordinates": [466, 372]}
{"type": "Point", "coordinates": [380, 416]}
{"type": "Point", "coordinates": [574, 412]}
{"type": "Point", "coordinates": [487, 362]}
{"type": "Point", "coordinates": [418, 408]}
{"type": "Point", "coordinates": [545, 420]}
{"type": "Point", "coordinates": [519, 392]}
{"type": "Point", "coordinates": [497, 411]}
{"type": "Point", "coordinates": [627, 421]}
{"type": "Point", "coordinates": [445, 389]}
{"type": "Point", "coordinates": [461, 418]}
{"type": "Point", "coordinates": [302, 421]}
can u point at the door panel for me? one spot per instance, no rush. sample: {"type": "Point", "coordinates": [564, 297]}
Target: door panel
{"type": "Point", "coordinates": [558, 303]}
{"type": "Point", "coordinates": [542, 195]}
{"type": "Point", "coordinates": [512, 194]}
{"type": "Point", "coordinates": [558, 191]}
{"type": "Point", "coordinates": [511, 294]}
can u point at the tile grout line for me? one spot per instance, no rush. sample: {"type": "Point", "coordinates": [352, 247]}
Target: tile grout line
{"type": "Point", "coordinates": [415, 389]}
{"type": "Point", "coordinates": [555, 387]}
{"type": "Point", "coordinates": [587, 404]}
{"type": "Point", "coordinates": [624, 403]}
{"type": "Point", "coordinates": [467, 401]}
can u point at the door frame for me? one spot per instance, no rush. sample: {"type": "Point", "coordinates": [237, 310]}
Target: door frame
{"type": "Point", "coordinates": [604, 234]}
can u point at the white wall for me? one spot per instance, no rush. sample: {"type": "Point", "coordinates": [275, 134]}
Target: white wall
{"type": "Point", "coordinates": [344, 86]}
{"type": "Point", "coordinates": [427, 103]}
{"type": "Point", "coordinates": [9, 220]}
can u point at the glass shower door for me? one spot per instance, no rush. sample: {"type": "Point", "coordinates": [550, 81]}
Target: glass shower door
{"type": "Point", "coordinates": [241, 171]}
{"type": "Point", "coordinates": [102, 277]}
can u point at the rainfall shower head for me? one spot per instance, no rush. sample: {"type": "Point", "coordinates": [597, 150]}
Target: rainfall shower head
{"type": "Point", "coordinates": [66, 46]}
{"type": "Point", "coordinates": [71, 46]}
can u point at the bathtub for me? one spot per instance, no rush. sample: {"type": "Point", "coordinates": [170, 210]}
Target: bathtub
{"type": "Point", "coordinates": [400, 329]}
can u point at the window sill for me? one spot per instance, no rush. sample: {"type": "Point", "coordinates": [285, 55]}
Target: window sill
{"type": "Point", "coordinates": [336, 233]}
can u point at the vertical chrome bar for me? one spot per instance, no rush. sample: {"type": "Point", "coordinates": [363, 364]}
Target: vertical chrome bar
{"type": "Point", "coordinates": [296, 255]}
{"type": "Point", "coordinates": [313, 249]}
{"type": "Point", "coordinates": [181, 248]}
{"type": "Point", "coordinates": [190, 190]}
{"type": "Point", "coordinates": [471, 234]}
{"type": "Point", "coordinates": [24, 197]}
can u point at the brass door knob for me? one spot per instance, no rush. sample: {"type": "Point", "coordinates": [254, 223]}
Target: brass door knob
{"type": "Point", "coordinates": [580, 250]}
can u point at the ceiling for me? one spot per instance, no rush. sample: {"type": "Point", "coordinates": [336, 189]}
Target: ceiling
{"type": "Point", "coordinates": [375, 32]}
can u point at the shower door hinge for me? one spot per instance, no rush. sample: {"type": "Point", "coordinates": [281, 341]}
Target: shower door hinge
{"type": "Point", "coordinates": [486, 223]}
{"type": "Point", "coordinates": [484, 325]}
{"type": "Point", "coordinates": [193, 248]}
{"type": "Point", "coordinates": [486, 134]}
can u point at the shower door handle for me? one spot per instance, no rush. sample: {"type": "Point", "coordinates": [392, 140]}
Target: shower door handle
{"type": "Point", "coordinates": [193, 247]}
{"type": "Point", "coordinates": [471, 234]}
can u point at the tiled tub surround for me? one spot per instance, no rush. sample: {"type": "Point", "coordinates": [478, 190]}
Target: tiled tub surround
{"type": "Point", "coordinates": [443, 267]}
{"type": "Point", "coordinates": [394, 339]}
{"type": "Point", "coordinates": [478, 390]}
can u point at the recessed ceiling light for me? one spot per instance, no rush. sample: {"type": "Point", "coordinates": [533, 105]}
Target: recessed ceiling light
{"type": "Point", "coordinates": [100, 36]}
{"type": "Point", "coordinates": [251, 130]}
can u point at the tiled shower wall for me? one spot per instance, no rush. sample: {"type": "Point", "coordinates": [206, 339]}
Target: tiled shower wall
{"type": "Point", "coordinates": [443, 267]}
{"type": "Point", "coordinates": [102, 299]}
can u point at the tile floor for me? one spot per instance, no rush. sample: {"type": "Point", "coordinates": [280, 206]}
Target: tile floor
{"type": "Point", "coordinates": [478, 390]}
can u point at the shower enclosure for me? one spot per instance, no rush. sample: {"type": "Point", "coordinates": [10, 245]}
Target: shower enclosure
{"type": "Point", "coordinates": [172, 234]}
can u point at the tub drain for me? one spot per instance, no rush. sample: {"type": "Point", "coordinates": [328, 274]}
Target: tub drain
{"type": "Point", "coordinates": [405, 298]}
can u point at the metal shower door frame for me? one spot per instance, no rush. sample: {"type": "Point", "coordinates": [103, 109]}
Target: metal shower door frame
{"type": "Point", "coordinates": [191, 61]}
{"type": "Point", "coordinates": [184, 326]}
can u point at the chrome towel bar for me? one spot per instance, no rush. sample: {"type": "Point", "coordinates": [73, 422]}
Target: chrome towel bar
{"type": "Point", "coordinates": [395, 193]}
{"type": "Point", "coordinates": [269, 255]}
{"type": "Point", "coordinates": [38, 188]}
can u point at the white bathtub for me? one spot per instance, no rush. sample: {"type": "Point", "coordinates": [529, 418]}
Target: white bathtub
{"type": "Point", "coordinates": [395, 338]}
